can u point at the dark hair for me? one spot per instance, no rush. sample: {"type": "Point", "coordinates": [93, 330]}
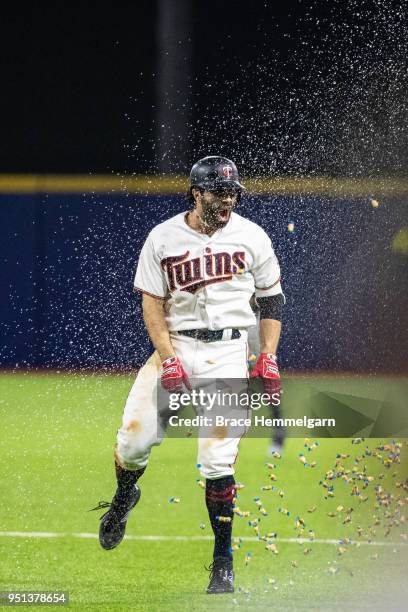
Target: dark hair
{"type": "Point", "coordinates": [189, 194]}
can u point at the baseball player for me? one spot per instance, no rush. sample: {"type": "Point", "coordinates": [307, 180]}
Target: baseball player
{"type": "Point", "coordinates": [197, 272]}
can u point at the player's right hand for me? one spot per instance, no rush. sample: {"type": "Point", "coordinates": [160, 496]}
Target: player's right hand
{"type": "Point", "coordinates": [174, 376]}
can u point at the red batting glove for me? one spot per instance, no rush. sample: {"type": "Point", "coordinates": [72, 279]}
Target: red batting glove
{"type": "Point", "coordinates": [173, 376]}
{"type": "Point", "coordinates": [267, 369]}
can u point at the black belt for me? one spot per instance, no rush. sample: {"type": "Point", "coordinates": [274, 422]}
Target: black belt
{"type": "Point", "coordinates": [208, 335]}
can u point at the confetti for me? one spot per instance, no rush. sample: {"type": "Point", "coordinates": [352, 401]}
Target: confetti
{"type": "Point", "coordinates": [241, 513]}
{"type": "Point", "coordinates": [269, 536]}
{"type": "Point", "coordinates": [303, 459]}
{"type": "Point", "coordinates": [310, 445]}
{"type": "Point", "coordinates": [223, 519]}
{"type": "Point", "coordinates": [271, 546]}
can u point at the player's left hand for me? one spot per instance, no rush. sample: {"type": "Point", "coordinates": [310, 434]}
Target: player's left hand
{"type": "Point", "coordinates": [267, 369]}
{"type": "Point", "coordinates": [174, 376]}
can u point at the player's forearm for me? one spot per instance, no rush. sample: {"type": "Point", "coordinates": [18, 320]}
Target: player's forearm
{"type": "Point", "coordinates": [269, 334]}
{"type": "Point", "coordinates": [153, 314]}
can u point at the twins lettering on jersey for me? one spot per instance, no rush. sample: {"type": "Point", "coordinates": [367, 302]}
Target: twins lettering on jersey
{"type": "Point", "coordinates": [195, 273]}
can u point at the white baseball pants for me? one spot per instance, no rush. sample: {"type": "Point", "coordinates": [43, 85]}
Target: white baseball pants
{"type": "Point", "coordinates": [224, 359]}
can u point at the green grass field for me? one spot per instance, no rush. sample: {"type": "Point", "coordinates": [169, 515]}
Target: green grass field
{"type": "Point", "coordinates": [56, 463]}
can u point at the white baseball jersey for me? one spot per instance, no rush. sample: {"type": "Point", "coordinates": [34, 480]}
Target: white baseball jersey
{"type": "Point", "coordinates": [207, 281]}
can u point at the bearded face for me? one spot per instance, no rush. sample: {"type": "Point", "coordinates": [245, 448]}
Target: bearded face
{"type": "Point", "coordinates": [216, 207]}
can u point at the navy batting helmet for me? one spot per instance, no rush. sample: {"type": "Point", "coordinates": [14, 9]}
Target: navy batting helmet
{"type": "Point", "coordinates": [213, 173]}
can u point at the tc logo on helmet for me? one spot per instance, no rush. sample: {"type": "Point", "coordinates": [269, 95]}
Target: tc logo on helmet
{"type": "Point", "coordinates": [227, 171]}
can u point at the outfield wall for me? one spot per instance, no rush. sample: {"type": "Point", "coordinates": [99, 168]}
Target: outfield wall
{"type": "Point", "coordinates": [68, 261]}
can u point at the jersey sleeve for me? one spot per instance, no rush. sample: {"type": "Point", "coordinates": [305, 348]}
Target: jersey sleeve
{"type": "Point", "coordinates": [265, 269]}
{"type": "Point", "coordinates": [149, 277]}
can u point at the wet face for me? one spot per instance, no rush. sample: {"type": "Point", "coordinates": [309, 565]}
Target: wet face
{"type": "Point", "coordinates": [215, 207]}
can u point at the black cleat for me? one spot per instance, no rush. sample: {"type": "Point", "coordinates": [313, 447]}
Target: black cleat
{"type": "Point", "coordinates": [222, 576]}
{"type": "Point", "coordinates": [113, 522]}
